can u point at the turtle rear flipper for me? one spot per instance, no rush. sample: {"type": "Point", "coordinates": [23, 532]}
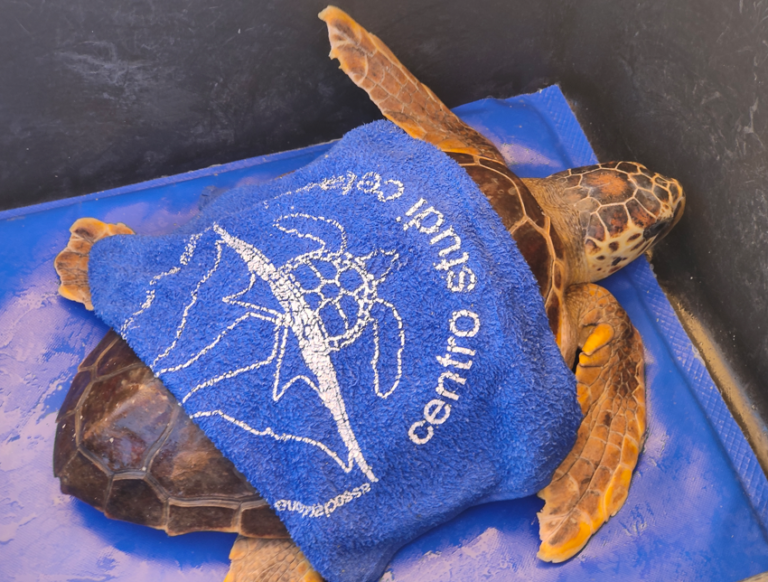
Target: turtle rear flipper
{"type": "Point", "coordinates": [72, 263]}
{"type": "Point", "coordinates": [398, 94]}
{"type": "Point", "coordinates": [592, 483]}
{"type": "Point", "coordinates": [269, 560]}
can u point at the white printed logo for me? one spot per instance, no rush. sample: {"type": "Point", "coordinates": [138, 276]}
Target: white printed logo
{"type": "Point", "coordinates": [335, 285]}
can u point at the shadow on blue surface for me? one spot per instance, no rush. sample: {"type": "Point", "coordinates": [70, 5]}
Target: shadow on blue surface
{"type": "Point", "coordinates": [696, 509]}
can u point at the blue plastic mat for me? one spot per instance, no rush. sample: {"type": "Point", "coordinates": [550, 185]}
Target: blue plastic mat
{"type": "Point", "coordinates": [697, 508]}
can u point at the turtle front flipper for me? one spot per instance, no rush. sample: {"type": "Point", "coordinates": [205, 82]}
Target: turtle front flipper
{"type": "Point", "coordinates": [397, 93]}
{"type": "Point", "coordinates": [592, 483]}
{"type": "Point", "coordinates": [72, 263]}
{"type": "Point", "coordinates": [269, 560]}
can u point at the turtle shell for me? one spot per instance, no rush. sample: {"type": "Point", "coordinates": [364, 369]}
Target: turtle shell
{"type": "Point", "coordinates": [125, 446]}
{"type": "Point", "coordinates": [531, 228]}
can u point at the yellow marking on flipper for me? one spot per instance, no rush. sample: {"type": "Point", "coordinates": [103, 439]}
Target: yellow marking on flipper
{"type": "Point", "coordinates": [599, 357]}
{"type": "Point", "coordinates": [611, 392]}
{"type": "Point", "coordinates": [583, 396]}
{"type": "Point", "coordinates": [617, 492]}
{"type": "Point", "coordinates": [73, 293]}
{"type": "Point", "coordinates": [561, 552]}
{"type": "Point", "coordinates": [600, 336]}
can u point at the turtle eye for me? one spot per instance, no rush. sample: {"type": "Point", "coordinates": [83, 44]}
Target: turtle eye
{"type": "Point", "coordinates": [655, 229]}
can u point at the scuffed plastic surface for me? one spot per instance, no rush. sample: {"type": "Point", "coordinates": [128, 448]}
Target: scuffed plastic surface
{"type": "Point", "coordinates": [696, 510]}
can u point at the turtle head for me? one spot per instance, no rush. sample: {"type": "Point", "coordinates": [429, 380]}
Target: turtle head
{"type": "Point", "coordinates": [609, 214]}
{"type": "Point", "coordinates": [625, 210]}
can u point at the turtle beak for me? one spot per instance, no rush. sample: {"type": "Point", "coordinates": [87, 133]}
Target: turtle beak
{"type": "Point", "coordinates": [659, 230]}
{"type": "Point", "coordinates": [680, 206]}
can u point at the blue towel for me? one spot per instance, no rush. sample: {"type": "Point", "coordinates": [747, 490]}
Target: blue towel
{"type": "Point", "coordinates": [362, 339]}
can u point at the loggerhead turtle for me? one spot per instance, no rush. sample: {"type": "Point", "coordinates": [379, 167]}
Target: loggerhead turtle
{"type": "Point", "coordinates": [124, 447]}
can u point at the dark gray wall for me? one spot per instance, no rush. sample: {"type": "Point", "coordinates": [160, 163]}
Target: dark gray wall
{"type": "Point", "coordinates": [97, 94]}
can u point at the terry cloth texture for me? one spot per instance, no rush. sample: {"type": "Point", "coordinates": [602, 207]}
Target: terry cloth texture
{"type": "Point", "coordinates": [362, 339]}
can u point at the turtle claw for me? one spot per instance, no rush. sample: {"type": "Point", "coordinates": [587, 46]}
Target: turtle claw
{"type": "Point", "coordinates": [269, 560]}
{"type": "Point", "coordinates": [592, 483]}
{"type": "Point", "coordinates": [72, 263]}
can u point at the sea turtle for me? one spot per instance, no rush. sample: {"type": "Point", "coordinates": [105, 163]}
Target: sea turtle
{"type": "Point", "coordinates": [123, 446]}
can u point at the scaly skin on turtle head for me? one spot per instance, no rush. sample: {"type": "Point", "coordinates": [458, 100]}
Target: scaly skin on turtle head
{"type": "Point", "coordinates": [609, 214]}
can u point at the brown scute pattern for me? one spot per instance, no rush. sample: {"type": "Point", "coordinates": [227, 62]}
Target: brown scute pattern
{"type": "Point", "coordinates": [661, 193]}
{"type": "Point", "coordinates": [187, 518]}
{"type": "Point", "coordinates": [557, 245]}
{"type": "Point", "coordinates": [596, 229]}
{"type": "Point", "coordinates": [113, 359]}
{"type": "Point", "coordinates": [615, 218]}
{"type": "Point", "coordinates": [124, 446]}
{"type": "Point", "coordinates": [617, 202]}
{"type": "Point", "coordinates": [398, 94]}
{"type": "Point", "coordinates": [71, 264]}
{"type": "Point", "coordinates": [576, 171]}
{"type": "Point", "coordinates": [84, 479]}
{"type": "Point", "coordinates": [553, 312]}
{"type": "Point", "coordinates": [493, 165]}
{"type": "Point", "coordinates": [640, 216]}
{"type": "Point", "coordinates": [642, 181]}
{"type": "Point", "coordinates": [533, 246]}
{"type": "Point", "coordinates": [121, 420]}
{"type": "Point", "coordinates": [647, 200]}
{"type": "Point", "coordinates": [257, 520]}
{"type": "Point", "coordinates": [136, 501]}
{"type": "Point", "coordinates": [264, 560]}
{"type": "Point", "coordinates": [570, 181]}
{"type": "Point", "coordinates": [558, 281]}
{"type": "Point", "coordinates": [592, 483]}
{"type": "Point", "coordinates": [645, 171]}
{"type": "Point", "coordinates": [628, 167]}
{"type": "Point", "coordinates": [187, 458]}
{"type": "Point", "coordinates": [462, 159]}
{"type": "Point", "coordinates": [539, 243]}
{"type": "Point", "coordinates": [79, 384]}
{"type": "Point", "coordinates": [66, 443]}
{"type": "Point", "coordinates": [532, 208]}
{"type": "Point", "coordinates": [614, 186]}
{"type": "Point", "coordinates": [97, 352]}
{"type": "Point", "coordinates": [500, 191]}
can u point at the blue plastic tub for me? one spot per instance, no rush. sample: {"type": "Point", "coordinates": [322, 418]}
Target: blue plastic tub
{"type": "Point", "coordinates": [697, 508]}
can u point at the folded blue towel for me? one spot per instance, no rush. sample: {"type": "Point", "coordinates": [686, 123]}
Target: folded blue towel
{"type": "Point", "coordinates": [362, 339]}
